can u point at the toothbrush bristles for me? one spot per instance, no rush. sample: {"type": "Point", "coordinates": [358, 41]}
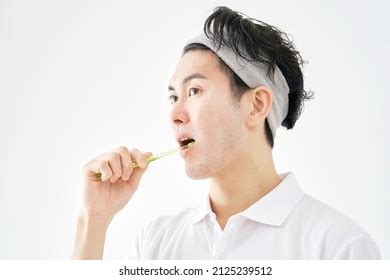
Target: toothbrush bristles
{"type": "Point", "coordinates": [190, 144]}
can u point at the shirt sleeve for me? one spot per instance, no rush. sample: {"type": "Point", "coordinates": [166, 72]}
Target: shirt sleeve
{"type": "Point", "coordinates": [359, 248]}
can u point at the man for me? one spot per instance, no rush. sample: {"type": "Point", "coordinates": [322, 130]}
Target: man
{"type": "Point", "coordinates": [235, 84]}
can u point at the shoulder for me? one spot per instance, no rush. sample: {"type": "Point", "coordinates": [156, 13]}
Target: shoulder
{"type": "Point", "coordinates": [328, 219]}
{"type": "Point", "coordinates": [326, 227]}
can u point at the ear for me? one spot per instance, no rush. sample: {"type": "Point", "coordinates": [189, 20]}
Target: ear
{"type": "Point", "coordinates": [260, 101]}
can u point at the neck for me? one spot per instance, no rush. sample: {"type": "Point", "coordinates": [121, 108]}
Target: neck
{"type": "Point", "coordinates": [245, 181]}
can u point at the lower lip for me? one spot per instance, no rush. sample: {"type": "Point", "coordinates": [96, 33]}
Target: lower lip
{"type": "Point", "coordinates": [184, 152]}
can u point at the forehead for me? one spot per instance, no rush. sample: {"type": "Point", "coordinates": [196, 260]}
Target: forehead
{"type": "Point", "coordinates": [197, 61]}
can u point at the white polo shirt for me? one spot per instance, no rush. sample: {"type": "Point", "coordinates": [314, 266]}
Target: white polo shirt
{"type": "Point", "coordinates": [284, 224]}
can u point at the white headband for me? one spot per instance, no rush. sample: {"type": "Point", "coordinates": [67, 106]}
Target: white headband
{"type": "Point", "coordinates": [254, 74]}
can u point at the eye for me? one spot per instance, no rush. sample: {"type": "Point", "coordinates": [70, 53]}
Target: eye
{"type": "Point", "coordinates": [172, 98]}
{"type": "Point", "coordinates": [193, 90]}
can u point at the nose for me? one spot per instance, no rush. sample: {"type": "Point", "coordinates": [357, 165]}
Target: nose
{"type": "Point", "coordinates": [178, 114]}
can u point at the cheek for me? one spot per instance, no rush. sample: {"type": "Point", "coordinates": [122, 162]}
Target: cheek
{"type": "Point", "coordinates": [220, 127]}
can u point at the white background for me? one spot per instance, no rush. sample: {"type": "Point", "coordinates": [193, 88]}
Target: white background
{"type": "Point", "coordinates": [79, 78]}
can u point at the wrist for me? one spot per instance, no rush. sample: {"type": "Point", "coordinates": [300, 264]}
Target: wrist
{"type": "Point", "coordinates": [88, 217]}
{"type": "Point", "coordinates": [91, 235]}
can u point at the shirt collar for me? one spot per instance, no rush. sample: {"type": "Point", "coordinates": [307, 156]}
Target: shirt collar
{"type": "Point", "coordinates": [272, 209]}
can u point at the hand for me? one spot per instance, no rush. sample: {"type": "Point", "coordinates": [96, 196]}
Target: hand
{"type": "Point", "coordinates": [105, 197]}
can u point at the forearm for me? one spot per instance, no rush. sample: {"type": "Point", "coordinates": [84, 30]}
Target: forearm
{"type": "Point", "coordinates": [90, 237]}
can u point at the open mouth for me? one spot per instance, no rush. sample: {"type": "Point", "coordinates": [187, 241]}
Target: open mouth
{"type": "Point", "coordinates": [186, 142]}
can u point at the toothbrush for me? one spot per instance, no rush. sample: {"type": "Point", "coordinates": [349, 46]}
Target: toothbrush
{"type": "Point", "coordinates": [156, 157]}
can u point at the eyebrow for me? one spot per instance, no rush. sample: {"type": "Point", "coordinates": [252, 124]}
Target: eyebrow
{"type": "Point", "coordinates": [188, 78]}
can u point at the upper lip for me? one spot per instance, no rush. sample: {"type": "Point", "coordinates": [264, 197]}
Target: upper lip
{"type": "Point", "coordinates": [182, 136]}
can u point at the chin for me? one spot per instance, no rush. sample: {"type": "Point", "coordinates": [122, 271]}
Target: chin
{"type": "Point", "coordinates": [198, 173]}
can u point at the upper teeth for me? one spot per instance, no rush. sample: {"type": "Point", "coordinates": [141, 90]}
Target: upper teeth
{"type": "Point", "coordinates": [183, 139]}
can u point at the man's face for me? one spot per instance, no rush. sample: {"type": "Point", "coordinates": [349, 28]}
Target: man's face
{"type": "Point", "coordinates": [203, 109]}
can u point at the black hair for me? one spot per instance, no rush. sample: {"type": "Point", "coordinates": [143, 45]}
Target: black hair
{"type": "Point", "coordinates": [255, 40]}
